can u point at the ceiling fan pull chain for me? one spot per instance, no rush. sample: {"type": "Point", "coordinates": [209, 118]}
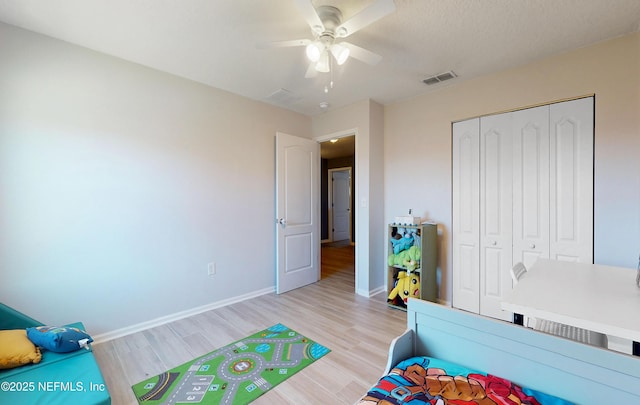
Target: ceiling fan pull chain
{"type": "Point", "coordinates": [331, 73]}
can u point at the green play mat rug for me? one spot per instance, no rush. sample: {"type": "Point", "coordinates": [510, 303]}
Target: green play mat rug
{"type": "Point", "coordinates": [234, 374]}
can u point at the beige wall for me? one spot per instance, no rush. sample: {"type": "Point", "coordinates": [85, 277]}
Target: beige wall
{"type": "Point", "coordinates": [119, 183]}
{"type": "Point", "coordinates": [418, 140]}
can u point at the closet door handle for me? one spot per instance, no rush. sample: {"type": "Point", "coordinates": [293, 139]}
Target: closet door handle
{"type": "Point", "coordinates": [532, 246]}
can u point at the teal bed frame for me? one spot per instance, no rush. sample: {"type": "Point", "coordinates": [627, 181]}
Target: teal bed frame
{"type": "Point", "coordinates": [567, 369]}
{"type": "Point", "coordinates": [59, 378]}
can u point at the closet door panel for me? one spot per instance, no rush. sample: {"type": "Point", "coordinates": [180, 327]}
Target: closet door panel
{"type": "Point", "coordinates": [530, 185]}
{"type": "Point", "coordinates": [571, 180]}
{"type": "Point", "coordinates": [466, 256]}
{"type": "Point", "coordinates": [495, 213]}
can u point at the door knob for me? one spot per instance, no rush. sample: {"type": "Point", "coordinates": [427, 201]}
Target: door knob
{"type": "Point", "coordinates": [532, 246]}
{"type": "Point", "coordinates": [494, 243]}
{"type": "Point", "coordinates": [282, 221]}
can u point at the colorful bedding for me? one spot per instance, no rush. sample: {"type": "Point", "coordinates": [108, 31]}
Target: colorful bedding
{"type": "Point", "coordinates": [425, 380]}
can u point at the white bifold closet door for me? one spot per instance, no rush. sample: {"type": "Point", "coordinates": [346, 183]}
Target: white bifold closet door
{"type": "Point", "coordinates": [482, 173]}
{"type": "Point", "coordinates": [496, 215]}
{"type": "Point", "coordinates": [466, 211]}
{"type": "Point", "coordinates": [522, 189]}
{"type": "Point", "coordinates": [531, 203]}
{"type": "Point", "coordinates": [571, 180]}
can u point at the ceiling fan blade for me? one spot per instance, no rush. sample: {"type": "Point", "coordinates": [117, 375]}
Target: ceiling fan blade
{"type": "Point", "coordinates": [362, 54]}
{"type": "Point", "coordinates": [310, 15]}
{"type": "Point", "coordinates": [283, 44]}
{"type": "Point", "coordinates": [369, 15]}
{"type": "Point", "coordinates": [311, 71]}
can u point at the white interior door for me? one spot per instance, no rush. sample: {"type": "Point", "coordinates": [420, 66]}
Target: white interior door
{"type": "Point", "coordinates": [531, 185]}
{"type": "Point", "coordinates": [496, 155]}
{"type": "Point", "coordinates": [466, 212]}
{"type": "Point", "coordinates": [571, 180]}
{"type": "Point", "coordinates": [297, 213]}
{"type": "Point", "coordinates": [341, 204]}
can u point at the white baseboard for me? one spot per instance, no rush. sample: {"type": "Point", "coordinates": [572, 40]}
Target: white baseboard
{"type": "Point", "coordinates": [370, 293]}
{"type": "Point", "coordinates": [379, 290]}
{"type": "Point", "coordinates": [107, 336]}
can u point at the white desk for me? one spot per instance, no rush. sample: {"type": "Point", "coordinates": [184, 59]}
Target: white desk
{"type": "Point", "coordinates": [600, 298]}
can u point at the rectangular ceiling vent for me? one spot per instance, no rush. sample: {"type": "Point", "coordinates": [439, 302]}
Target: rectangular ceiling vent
{"type": "Point", "coordinates": [435, 79]}
{"type": "Point", "coordinates": [283, 97]}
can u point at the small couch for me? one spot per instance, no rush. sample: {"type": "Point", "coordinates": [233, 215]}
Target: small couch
{"type": "Point", "coordinates": [59, 378]}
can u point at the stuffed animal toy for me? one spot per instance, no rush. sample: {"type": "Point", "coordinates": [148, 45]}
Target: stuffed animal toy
{"type": "Point", "coordinates": [400, 259]}
{"type": "Point", "coordinates": [406, 232]}
{"type": "Point", "coordinates": [412, 258]}
{"type": "Point", "coordinates": [407, 285]}
{"type": "Point", "coordinates": [401, 231]}
{"type": "Point", "coordinates": [397, 260]}
{"type": "Point", "coordinates": [401, 244]}
{"type": "Point", "coordinates": [409, 259]}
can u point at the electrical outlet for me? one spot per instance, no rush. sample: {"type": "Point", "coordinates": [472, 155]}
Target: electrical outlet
{"type": "Point", "coordinates": [211, 269]}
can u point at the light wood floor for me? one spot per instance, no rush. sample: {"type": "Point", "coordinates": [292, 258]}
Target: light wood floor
{"type": "Point", "coordinates": [357, 330]}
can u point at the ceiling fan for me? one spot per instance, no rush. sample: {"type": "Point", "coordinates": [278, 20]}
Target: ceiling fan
{"type": "Point", "coordinates": [329, 29]}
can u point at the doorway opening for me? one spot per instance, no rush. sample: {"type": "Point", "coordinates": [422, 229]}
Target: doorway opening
{"type": "Point", "coordinates": [337, 207]}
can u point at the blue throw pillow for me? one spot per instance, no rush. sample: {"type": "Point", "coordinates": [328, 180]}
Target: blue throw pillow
{"type": "Point", "coordinates": [58, 339]}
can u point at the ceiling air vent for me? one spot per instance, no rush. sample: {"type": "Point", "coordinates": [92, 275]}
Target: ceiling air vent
{"type": "Point", "coordinates": [283, 97]}
{"type": "Point", "coordinates": [439, 78]}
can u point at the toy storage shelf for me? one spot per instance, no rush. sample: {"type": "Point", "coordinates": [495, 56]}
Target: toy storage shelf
{"type": "Point", "coordinates": [425, 238]}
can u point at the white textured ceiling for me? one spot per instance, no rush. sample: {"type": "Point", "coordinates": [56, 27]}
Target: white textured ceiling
{"type": "Point", "coordinates": [214, 41]}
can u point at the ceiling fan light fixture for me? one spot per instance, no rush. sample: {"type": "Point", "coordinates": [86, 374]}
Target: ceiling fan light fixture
{"type": "Point", "coordinates": [340, 52]}
{"type": "Point", "coordinates": [314, 51]}
{"type": "Point", "coordinates": [323, 63]}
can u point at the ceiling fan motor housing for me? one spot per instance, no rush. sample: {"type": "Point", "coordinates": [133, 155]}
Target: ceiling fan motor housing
{"type": "Point", "coordinates": [331, 18]}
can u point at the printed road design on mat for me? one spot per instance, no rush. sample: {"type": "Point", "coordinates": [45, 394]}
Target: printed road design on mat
{"type": "Point", "coordinates": [235, 374]}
